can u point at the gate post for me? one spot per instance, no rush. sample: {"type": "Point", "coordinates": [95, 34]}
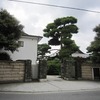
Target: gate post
{"type": "Point", "coordinates": [42, 69]}
{"type": "Point", "coordinates": [28, 71]}
{"type": "Point", "coordinates": [68, 70]}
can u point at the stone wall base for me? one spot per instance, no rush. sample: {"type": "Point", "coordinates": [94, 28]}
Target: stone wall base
{"type": "Point", "coordinates": [11, 71]}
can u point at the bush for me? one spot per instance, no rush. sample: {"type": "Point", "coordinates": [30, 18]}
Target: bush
{"type": "Point", "coordinates": [53, 70]}
{"type": "Point", "coordinates": [53, 67]}
{"type": "Point", "coordinates": [4, 56]}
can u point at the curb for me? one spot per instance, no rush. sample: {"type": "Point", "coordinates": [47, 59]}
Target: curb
{"type": "Point", "coordinates": [42, 92]}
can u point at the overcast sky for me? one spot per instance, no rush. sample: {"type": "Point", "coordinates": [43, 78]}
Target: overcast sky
{"type": "Point", "coordinates": [36, 17]}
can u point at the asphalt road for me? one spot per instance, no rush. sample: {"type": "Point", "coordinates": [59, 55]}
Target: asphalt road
{"type": "Point", "coordinates": [81, 95]}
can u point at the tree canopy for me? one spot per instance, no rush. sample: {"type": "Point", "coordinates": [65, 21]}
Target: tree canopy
{"type": "Point", "coordinates": [60, 33]}
{"type": "Point", "coordinates": [94, 47]}
{"type": "Point", "coordinates": [10, 31]}
{"type": "Point", "coordinates": [42, 50]}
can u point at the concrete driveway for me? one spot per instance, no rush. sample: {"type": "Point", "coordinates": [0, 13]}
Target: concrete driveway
{"type": "Point", "coordinates": [52, 84]}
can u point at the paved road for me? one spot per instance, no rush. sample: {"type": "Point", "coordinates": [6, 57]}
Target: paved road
{"type": "Point", "coordinates": [81, 95]}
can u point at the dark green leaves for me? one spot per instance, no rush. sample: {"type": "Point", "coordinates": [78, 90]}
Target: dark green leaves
{"type": "Point", "coordinates": [10, 31]}
{"type": "Point", "coordinates": [54, 41]}
{"type": "Point", "coordinates": [60, 27]}
{"type": "Point", "coordinates": [43, 49]}
{"type": "Point", "coordinates": [65, 20]}
{"type": "Point", "coordinates": [94, 47]}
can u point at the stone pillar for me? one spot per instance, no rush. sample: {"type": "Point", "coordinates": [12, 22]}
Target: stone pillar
{"type": "Point", "coordinates": [68, 70]}
{"type": "Point", "coordinates": [42, 69]}
{"type": "Point", "coordinates": [28, 71]}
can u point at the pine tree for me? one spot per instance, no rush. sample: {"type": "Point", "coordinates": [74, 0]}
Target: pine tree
{"type": "Point", "coordinates": [94, 47]}
{"type": "Point", "coordinates": [60, 33]}
{"type": "Point", "coordinates": [10, 31]}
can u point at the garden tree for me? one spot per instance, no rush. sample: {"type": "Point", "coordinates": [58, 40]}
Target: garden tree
{"type": "Point", "coordinates": [42, 50]}
{"type": "Point", "coordinates": [42, 58]}
{"type": "Point", "coordinates": [53, 66]}
{"type": "Point", "coordinates": [94, 47]}
{"type": "Point", "coordinates": [60, 33]}
{"type": "Point", "coordinates": [10, 31]}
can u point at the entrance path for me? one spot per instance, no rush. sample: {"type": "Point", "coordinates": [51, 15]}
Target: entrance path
{"type": "Point", "coordinates": [53, 78]}
{"type": "Point", "coordinates": [53, 84]}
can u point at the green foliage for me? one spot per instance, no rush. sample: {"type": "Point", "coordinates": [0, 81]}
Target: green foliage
{"type": "Point", "coordinates": [53, 67]}
{"type": "Point", "coordinates": [54, 41]}
{"type": "Point", "coordinates": [66, 52]}
{"type": "Point", "coordinates": [10, 31]}
{"type": "Point", "coordinates": [94, 47]}
{"type": "Point", "coordinates": [61, 26]}
{"type": "Point", "coordinates": [43, 49]}
{"type": "Point", "coordinates": [4, 56]}
{"type": "Point", "coordinates": [60, 33]}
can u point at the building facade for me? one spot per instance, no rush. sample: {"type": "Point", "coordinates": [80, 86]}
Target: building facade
{"type": "Point", "coordinates": [27, 51]}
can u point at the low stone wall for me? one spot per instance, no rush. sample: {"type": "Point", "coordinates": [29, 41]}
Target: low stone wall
{"type": "Point", "coordinates": [87, 71]}
{"type": "Point", "coordinates": [11, 71]}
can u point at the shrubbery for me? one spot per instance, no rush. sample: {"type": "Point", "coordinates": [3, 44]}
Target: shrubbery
{"type": "Point", "coordinates": [53, 67]}
{"type": "Point", "coordinates": [4, 56]}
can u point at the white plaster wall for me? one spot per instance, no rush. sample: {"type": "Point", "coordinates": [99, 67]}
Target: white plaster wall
{"type": "Point", "coordinates": [35, 71]}
{"type": "Point", "coordinates": [28, 51]}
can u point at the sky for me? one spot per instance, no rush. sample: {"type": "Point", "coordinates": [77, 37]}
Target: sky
{"type": "Point", "coordinates": [34, 18]}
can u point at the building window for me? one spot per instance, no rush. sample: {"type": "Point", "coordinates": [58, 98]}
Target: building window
{"type": "Point", "coordinates": [21, 43]}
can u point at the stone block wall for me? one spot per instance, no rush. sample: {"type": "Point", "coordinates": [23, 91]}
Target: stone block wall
{"type": "Point", "coordinates": [11, 71]}
{"type": "Point", "coordinates": [87, 71]}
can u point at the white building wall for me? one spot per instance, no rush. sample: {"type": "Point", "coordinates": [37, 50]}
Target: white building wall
{"type": "Point", "coordinates": [28, 51]}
